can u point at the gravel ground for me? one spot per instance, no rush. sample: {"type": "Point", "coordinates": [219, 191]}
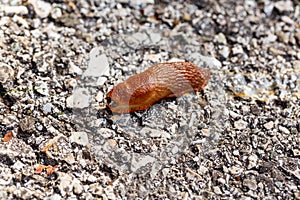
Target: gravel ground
{"type": "Point", "coordinates": [239, 138]}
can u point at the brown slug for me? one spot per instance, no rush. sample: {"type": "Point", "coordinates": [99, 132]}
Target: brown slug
{"type": "Point", "coordinates": [163, 80]}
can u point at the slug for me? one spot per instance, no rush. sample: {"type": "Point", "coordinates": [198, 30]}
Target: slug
{"type": "Point", "coordinates": [163, 80]}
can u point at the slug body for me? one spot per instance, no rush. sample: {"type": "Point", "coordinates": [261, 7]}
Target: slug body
{"type": "Point", "coordinates": [163, 80]}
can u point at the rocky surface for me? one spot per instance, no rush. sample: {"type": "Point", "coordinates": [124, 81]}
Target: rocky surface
{"type": "Point", "coordinates": [238, 138]}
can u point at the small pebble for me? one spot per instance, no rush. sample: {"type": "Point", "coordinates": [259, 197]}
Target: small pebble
{"type": "Point", "coordinates": [237, 50]}
{"type": "Point", "coordinates": [240, 124]}
{"type": "Point", "coordinates": [252, 161]}
{"type": "Point", "coordinates": [18, 10]}
{"type": "Point", "coordinates": [41, 8]}
{"type": "Point", "coordinates": [284, 6]}
{"type": "Point", "coordinates": [284, 129]}
{"type": "Point", "coordinates": [269, 125]}
{"type": "Point", "coordinates": [79, 99]}
{"type": "Point", "coordinates": [80, 138]}
{"type": "Point", "coordinates": [98, 65]}
{"type": "Point", "coordinates": [100, 96]}
{"type": "Point", "coordinates": [47, 108]}
{"type": "Point", "coordinates": [251, 184]}
{"type": "Point", "coordinates": [221, 38]}
{"type": "Point", "coordinates": [6, 72]}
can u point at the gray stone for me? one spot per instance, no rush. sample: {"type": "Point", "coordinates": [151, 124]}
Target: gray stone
{"type": "Point", "coordinates": [18, 166]}
{"type": "Point", "coordinates": [277, 51]}
{"type": "Point", "coordinates": [100, 96]}
{"type": "Point", "coordinates": [284, 6]}
{"type": "Point", "coordinates": [155, 37]}
{"type": "Point", "coordinates": [3, 193]}
{"type": "Point", "coordinates": [47, 108]}
{"type": "Point", "coordinates": [65, 185]}
{"type": "Point", "coordinates": [234, 170]}
{"type": "Point", "coordinates": [269, 125]}
{"type": "Point", "coordinates": [80, 138]}
{"type": "Point", "coordinates": [268, 8]}
{"type": "Point", "coordinates": [73, 69]}
{"type": "Point", "coordinates": [211, 61]}
{"type": "Point", "coordinates": [70, 158]}
{"type": "Point", "coordinates": [202, 169]}
{"type": "Point", "coordinates": [105, 132]}
{"type": "Point", "coordinates": [287, 20]}
{"type": "Point", "coordinates": [92, 178]}
{"type": "Point", "coordinates": [136, 39]}
{"type": "Point", "coordinates": [224, 51]}
{"type": "Point", "coordinates": [27, 124]}
{"type": "Point", "coordinates": [18, 10]}
{"type": "Point", "coordinates": [222, 181]}
{"type": "Point", "coordinates": [110, 193]}
{"type": "Point", "coordinates": [238, 49]}
{"type": "Point", "coordinates": [6, 176]}
{"type": "Point", "coordinates": [101, 81]}
{"type": "Point", "coordinates": [252, 161]}
{"type": "Point", "coordinates": [98, 65]}
{"type": "Point", "coordinates": [282, 36]}
{"type": "Point", "coordinates": [284, 129]}
{"type": "Point", "coordinates": [137, 3]}
{"type": "Point", "coordinates": [240, 124]}
{"type": "Point", "coordinates": [236, 152]}
{"type": "Point", "coordinates": [234, 114]}
{"type": "Point", "coordinates": [42, 87]}
{"type": "Point", "coordinates": [6, 72]}
{"type": "Point", "coordinates": [78, 188]}
{"type": "Point", "coordinates": [217, 190]}
{"type": "Point", "coordinates": [41, 8]}
{"type": "Point", "coordinates": [79, 99]}
{"type": "Point", "coordinates": [154, 133]}
{"type": "Point", "coordinates": [221, 38]}
{"type": "Point", "coordinates": [296, 152]}
{"type": "Point", "coordinates": [270, 38]}
{"type": "Point", "coordinates": [55, 197]}
{"type": "Point", "coordinates": [251, 184]}
{"type": "Point", "coordinates": [56, 13]}
{"type": "Point", "coordinates": [139, 161]}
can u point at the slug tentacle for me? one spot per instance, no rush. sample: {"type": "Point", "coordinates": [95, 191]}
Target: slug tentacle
{"type": "Point", "coordinates": [163, 80]}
